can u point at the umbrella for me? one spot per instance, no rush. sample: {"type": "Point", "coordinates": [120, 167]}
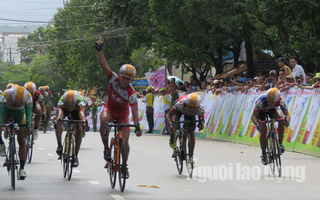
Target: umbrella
{"type": "Point", "coordinates": [177, 79]}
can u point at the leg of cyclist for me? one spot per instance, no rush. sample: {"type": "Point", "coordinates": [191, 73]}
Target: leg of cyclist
{"type": "Point", "coordinates": [256, 117]}
{"type": "Point", "coordinates": [36, 110]}
{"type": "Point", "coordinates": [58, 130]}
{"type": "Point", "coordinates": [278, 115]}
{"type": "Point", "coordinates": [78, 115]}
{"type": "Point", "coordinates": [191, 128]}
{"type": "Point", "coordinates": [2, 146]}
{"type": "Point", "coordinates": [105, 117]}
{"type": "Point", "coordinates": [172, 140]}
{"type": "Point", "coordinates": [22, 152]}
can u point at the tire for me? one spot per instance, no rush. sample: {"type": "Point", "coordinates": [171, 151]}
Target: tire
{"type": "Point", "coordinates": [271, 152]}
{"type": "Point", "coordinates": [30, 147]}
{"type": "Point", "coordinates": [122, 164]}
{"type": "Point", "coordinates": [45, 127]}
{"type": "Point", "coordinates": [71, 154]}
{"type": "Point", "coordinates": [278, 157]}
{"type": "Point", "coordinates": [112, 173]}
{"type": "Point", "coordinates": [189, 155]}
{"type": "Point", "coordinates": [12, 165]}
{"type": "Point", "coordinates": [65, 156]}
{"type": "Point", "coordinates": [178, 153]}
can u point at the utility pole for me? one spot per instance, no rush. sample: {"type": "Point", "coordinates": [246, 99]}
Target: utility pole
{"type": "Point", "coordinates": [10, 55]}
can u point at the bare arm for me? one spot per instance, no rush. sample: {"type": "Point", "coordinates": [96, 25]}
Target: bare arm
{"type": "Point", "coordinates": [134, 110]}
{"type": "Point", "coordinates": [169, 117]}
{"type": "Point", "coordinates": [103, 61]}
{"type": "Point", "coordinates": [254, 118]}
{"type": "Point", "coordinates": [43, 107]}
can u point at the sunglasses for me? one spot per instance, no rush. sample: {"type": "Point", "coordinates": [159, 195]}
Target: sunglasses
{"type": "Point", "coordinates": [126, 78]}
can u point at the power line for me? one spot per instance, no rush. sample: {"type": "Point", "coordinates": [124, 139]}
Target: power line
{"type": "Point", "coordinates": [28, 1]}
{"type": "Point", "coordinates": [16, 20]}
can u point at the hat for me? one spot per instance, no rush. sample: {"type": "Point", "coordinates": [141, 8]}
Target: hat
{"type": "Point", "coordinates": [149, 88]}
{"type": "Point", "coordinates": [172, 85]}
{"type": "Point", "coordinates": [314, 79]}
{"type": "Point", "coordinates": [299, 76]}
{"type": "Point", "coordinates": [216, 81]}
{"type": "Point", "coordinates": [243, 80]}
{"type": "Point", "coordinates": [93, 99]}
{"type": "Point", "coordinates": [282, 59]}
{"type": "Point", "coordinates": [163, 89]}
{"type": "Point", "coordinates": [290, 76]}
{"type": "Point", "coordinates": [273, 72]}
{"type": "Point", "coordinates": [256, 78]}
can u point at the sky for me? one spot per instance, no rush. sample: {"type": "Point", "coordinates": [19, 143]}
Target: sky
{"type": "Point", "coordinates": [28, 11]}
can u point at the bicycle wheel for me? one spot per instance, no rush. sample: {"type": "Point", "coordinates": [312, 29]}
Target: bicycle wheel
{"type": "Point", "coordinates": [65, 156]}
{"type": "Point", "coordinates": [178, 153]}
{"type": "Point", "coordinates": [122, 164]}
{"type": "Point", "coordinates": [189, 155]}
{"type": "Point", "coordinates": [271, 153]}
{"type": "Point", "coordinates": [45, 127]}
{"type": "Point", "coordinates": [112, 173]}
{"type": "Point", "coordinates": [278, 156]}
{"type": "Point", "coordinates": [30, 147]}
{"type": "Point", "coordinates": [12, 164]}
{"type": "Point", "coordinates": [71, 154]}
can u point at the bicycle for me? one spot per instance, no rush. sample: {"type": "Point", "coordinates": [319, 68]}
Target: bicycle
{"type": "Point", "coordinates": [30, 141]}
{"type": "Point", "coordinates": [68, 153]}
{"type": "Point", "coordinates": [183, 152]}
{"type": "Point", "coordinates": [11, 161]}
{"type": "Point", "coordinates": [273, 147]}
{"type": "Point", "coordinates": [118, 162]}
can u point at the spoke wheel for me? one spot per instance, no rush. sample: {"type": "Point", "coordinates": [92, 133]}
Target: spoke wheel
{"type": "Point", "coordinates": [71, 154]}
{"type": "Point", "coordinates": [30, 147]}
{"type": "Point", "coordinates": [111, 167]}
{"type": "Point", "coordinates": [189, 155]}
{"type": "Point", "coordinates": [122, 164]}
{"type": "Point", "coordinates": [271, 153]}
{"type": "Point", "coordinates": [278, 157]}
{"type": "Point", "coordinates": [65, 156]}
{"type": "Point", "coordinates": [178, 153]}
{"type": "Point", "coordinates": [12, 166]}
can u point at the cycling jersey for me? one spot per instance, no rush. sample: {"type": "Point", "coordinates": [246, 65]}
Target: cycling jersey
{"type": "Point", "coordinates": [37, 96]}
{"type": "Point", "coordinates": [120, 99]}
{"type": "Point", "coordinates": [262, 104]}
{"type": "Point", "coordinates": [181, 106]}
{"type": "Point", "coordinates": [80, 104]}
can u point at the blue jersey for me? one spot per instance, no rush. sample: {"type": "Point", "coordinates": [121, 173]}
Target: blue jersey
{"type": "Point", "coordinates": [262, 104]}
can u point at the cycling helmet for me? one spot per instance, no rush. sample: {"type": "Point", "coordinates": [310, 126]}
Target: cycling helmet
{"type": "Point", "coordinates": [273, 95]}
{"type": "Point", "coordinates": [15, 85]}
{"type": "Point", "coordinates": [128, 70]}
{"type": "Point", "coordinates": [70, 97]}
{"type": "Point", "coordinates": [46, 88]}
{"type": "Point", "coordinates": [41, 89]}
{"type": "Point", "coordinates": [31, 87]}
{"type": "Point", "coordinates": [10, 85]}
{"type": "Point", "coordinates": [193, 100]}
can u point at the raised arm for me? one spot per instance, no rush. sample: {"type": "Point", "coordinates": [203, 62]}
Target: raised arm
{"type": "Point", "coordinates": [102, 60]}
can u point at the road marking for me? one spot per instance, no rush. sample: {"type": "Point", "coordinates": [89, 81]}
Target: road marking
{"type": "Point", "coordinates": [94, 182]}
{"type": "Point", "coordinates": [40, 148]}
{"type": "Point", "coordinates": [76, 171]}
{"type": "Point", "coordinates": [117, 197]}
{"type": "Point", "coordinates": [49, 154]}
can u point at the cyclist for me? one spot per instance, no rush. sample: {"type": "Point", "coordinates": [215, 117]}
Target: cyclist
{"type": "Point", "coordinates": [48, 103]}
{"type": "Point", "coordinates": [71, 103]}
{"type": "Point", "coordinates": [17, 102]}
{"type": "Point", "coordinates": [121, 96]}
{"type": "Point", "coordinates": [38, 106]}
{"type": "Point", "coordinates": [267, 105]}
{"type": "Point", "coordinates": [190, 106]}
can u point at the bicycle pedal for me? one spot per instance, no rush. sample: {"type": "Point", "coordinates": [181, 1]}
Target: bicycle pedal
{"type": "Point", "coordinates": [106, 166]}
{"type": "Point", "coordinates": [60, 158]}
{"type": "Point", "coordinates": [5, 164]}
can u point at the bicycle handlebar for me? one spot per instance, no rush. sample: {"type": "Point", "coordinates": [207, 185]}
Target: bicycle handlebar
{"type": "Point", "coordinates": [185, 121]}
{"type": "Point", "coordinates": [273, 120]}
{"type": "Point", "coordinates": [72, 121]}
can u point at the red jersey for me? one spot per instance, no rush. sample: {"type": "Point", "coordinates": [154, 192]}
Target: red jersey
{"type": "Point", "coordinates": [120, 99]}
{"type": "Point", "coordinates": [37, 96]}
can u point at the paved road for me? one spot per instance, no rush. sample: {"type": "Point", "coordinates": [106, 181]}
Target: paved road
{"type": "Point", "coordinates": [224, 171]}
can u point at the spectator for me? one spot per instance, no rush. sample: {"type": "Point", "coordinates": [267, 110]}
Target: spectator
{"type": "Point", "coordinates": [314, 86]}
{"type": "Point", "coordinates": [270, 82]}
{"type": "Point", "coordinates": [297, 69]}
{"type": "Point", "coordinates": [309, 77]}
{"type": "Point", "coordinates": [249, 85]}
{"type": "Point", "coordinates": [181, 87]}
{"type": "Point", "coordinates": [288, 84]}
{"type": "Point", "coordinates": [174, 93]}
{"type": "Point", "coordinates": [204, 86]}
{"type": "Point", "coordinates": [240, 85]}
{"type": "Point", "coordinates": [186, 85]}
{"type": "Point", "coordinates": [284, 67]}
{"type": "Point", "coordinates": [149, 99]}
{"type": "Point", "coordinates": [192, 81]}
{"type": "Point", "coordinates": [281, 79]}
{"type": "Point", "coordinates": [166, 106]}
{"type": "Point", "coordinates": [299, 79]}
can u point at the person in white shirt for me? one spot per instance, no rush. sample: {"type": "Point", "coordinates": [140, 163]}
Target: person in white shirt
{"type": "Point", "coordinates": [296, 69]}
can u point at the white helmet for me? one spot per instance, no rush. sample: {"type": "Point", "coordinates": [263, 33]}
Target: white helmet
{"type": "Point", "coordinates": [31, 87]}
{"type": "Point", "coordinates": [128, 70]}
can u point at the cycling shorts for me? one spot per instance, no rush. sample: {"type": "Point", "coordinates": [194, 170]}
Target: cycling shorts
{"type": "Point", "coordinates": [19, 116]}
{"type": "Point", "coordinates": [263, 116]}
{"type": "Point", "coordinates": [74, 114]}
{"type": "Point", "coordinates": [122, 118]}
{"type": "Point", "coordinates": [191, 118]}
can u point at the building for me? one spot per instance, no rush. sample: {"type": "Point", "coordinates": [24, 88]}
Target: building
{"type": "Point", "coordinates": [9, 51]}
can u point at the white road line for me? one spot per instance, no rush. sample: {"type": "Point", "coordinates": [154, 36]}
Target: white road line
{"type": "Point", "coordinates": [117, 197]}
{"type": "Point", "coordinates": [49, 154]}
{"type": "Point", "coordinates": [40, 148]}
{"type": "Point", "coordinates": [76, 171]}
{"type": "Point", "coordinates": [94, 182]}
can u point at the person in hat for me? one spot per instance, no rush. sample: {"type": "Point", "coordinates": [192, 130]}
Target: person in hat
{"type": "Point", "coordinates": [149, 100]}
{"type": "Point", "coordinates": [270, 82]}
{"type": "Point", "coordinates": [166, 106]}
{"type": "Point", "coordinates": [283, 66]}
{"type": "Point", "coordinates": [94, 112]}
{"type": "Point", "coordinates": [314, 86]}
{"type": "Point", "coordinates": [288, 84]}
